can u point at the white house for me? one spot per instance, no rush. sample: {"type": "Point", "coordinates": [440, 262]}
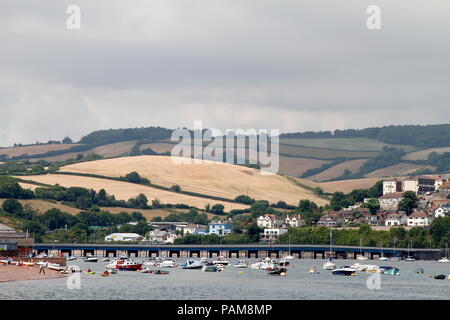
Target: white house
{"type": "Point", "coordinates": [267, 221]}
{"type": "Point", "coordinates": [189, 228]}
{"type": "Point", "coordinates": [418, 219]}
{"type": "Point", "coordinates": [294, 220]}
{"type": "Point", "coordinates": [124, 237]}
{"type": "Point", "coordinates": [272, 234]}
{"type": "Point", "coordinates": [161, 236]}
{"type": "Point", "coordinates": [391, 186]}
{"type": "Point", "coordinates": [439, 182]}
{"type": "Point", "coordinates": [441, 211]}
{"type": "Point", "coordinates": [390, 201]}
{"type": "Point", "coordinates": [395, 220]}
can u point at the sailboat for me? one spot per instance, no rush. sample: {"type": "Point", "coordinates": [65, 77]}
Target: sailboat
{"type": "Point", "coordinates": [445, 259]}
{"type": "Point", "coordinates": [361, 256]}
{"type": "Point", "coordinates": [329, 265]}
{"type": "Point", "coordinates": [382, 258]}
{"type": "Point", "coordinates": [409, 257]}
{"type": "Point", "coordinates": [395, 257]}
{"type": "Point", "coordinates": [289, 256]}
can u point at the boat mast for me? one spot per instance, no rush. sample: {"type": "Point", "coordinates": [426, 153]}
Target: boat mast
{"type": "Point", "coordinates": [331, 243]}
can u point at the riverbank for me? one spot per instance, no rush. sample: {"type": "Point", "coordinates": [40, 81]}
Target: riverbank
{"type": "Point", "coordinates": [16, 273]}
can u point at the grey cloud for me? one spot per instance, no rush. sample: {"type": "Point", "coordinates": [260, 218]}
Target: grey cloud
{"type": "Point", "coordinates": [294, 65]}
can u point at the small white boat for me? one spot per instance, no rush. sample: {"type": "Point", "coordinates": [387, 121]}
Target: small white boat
{"type": "Point", "coordinates": [55, 266]}
{"type": "Point", "coordinates": [204, 260]}
{"type": "Point", "coordinates": [191, 264]}
{"type": "Point", "coordinates": [90, 259]}
{"type": "Point", "coordinates": [361, 258]}
{"type": "Point", "coordinates": [146, 270]}
{"type": "Point", "coordinates": [222, 260]}
{"type": "Point", "coordinates": [105, 260]}
{"type": "Point", "coordinates": [445, 259]}
{"type": "Point", "coordinates": [383, 259]}
{"type": "Point", "coordinates": [264, 264]}
{"type": "Point", "coordinates": [241, 264]}
{"type": "Point", "coordinates": [329, 265]}
{"type": "Point", "coordinates": [288, 257]}
{"type": "Point", "coordinates": [409, 257]}
{"type": "Point", "coordinates": [168, 263]}
{"type": "Point", "coordinates": [29, 264]}
{"type": "Point", "coordinates": [71, 258]}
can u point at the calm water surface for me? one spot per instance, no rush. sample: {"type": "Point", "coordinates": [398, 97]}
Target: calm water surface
{"type": "Point", "coordinates": [252, 284]}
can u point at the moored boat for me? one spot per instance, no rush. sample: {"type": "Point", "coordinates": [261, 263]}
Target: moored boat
{"type": "Point", "coordinates": [125, 265]}
{"type": "Point", "coordinates": [241, 264]}
{"type": "Point", "coordinates": [168, 263]}
{"type": "Point", "coordinates": [90, 259]}
{"type": "Point", "coordinates": [210, 267]}
{"type": "Point", "coordinates": [191, 264]}
{"type": "Point", "coordinates": [420, 270]}
{"type": "Point", "coordinates": [160, 272]}
{"type": "Point", "coordinates": [345, 271]}
{"type": "Point", "coordinates": [278, 272]}
{"type": "Point", "coordinates": [265, 264]}
{"type": "Point", "coordinates": [221, 260]}
{"type": "Point", "coordinates": [329, 265]}
{"type": "Point", "coordinates": [55, 266]}
{"type": "Point", "coordinates": [389, 270]}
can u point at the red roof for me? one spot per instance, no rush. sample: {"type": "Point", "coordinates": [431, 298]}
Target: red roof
{"type": "Point", "coordinates": [392, 195]}
{"type": "Point", "coordinates": [418, 214]}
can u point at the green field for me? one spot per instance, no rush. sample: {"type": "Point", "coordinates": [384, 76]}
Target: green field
{"type": "Point", "coordinates": [350, 144]}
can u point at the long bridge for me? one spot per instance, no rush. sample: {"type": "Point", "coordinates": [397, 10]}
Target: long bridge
{"type": "Point", "coordinates": [242, 251]}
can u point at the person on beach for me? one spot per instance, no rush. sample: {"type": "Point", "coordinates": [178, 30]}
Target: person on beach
{"type": "Point", "coordinates": [42, 268]}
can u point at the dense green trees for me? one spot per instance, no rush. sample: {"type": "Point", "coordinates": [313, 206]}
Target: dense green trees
{"type": "Point", "coordinates": [409, 202]}
{"type": "Point", "coordinates": [9, 188]}
{"type": "Point", "coordinates": [118, 135]}
{"type": "Point", "coordinates": [320, 235]}
{"type": "Point", "coordinates": [244, 199]}
{"type": "Point", "coordinates": [373, 205]}
{"type": "Point", "coordinates": [421, 136]}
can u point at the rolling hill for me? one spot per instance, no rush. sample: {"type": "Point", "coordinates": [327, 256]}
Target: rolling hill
{"type": "Point", "coordinates": [208, 177]}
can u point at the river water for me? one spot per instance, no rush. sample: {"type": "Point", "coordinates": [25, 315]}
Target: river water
{"type": "Point", "coordinates": [251, 284]}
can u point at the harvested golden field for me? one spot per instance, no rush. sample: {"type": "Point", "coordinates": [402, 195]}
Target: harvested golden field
{"type": "Point", "coordinates": [297, 151]}
{"type": "Point", "coordinates": [338, 170]}
{"type": "Point", "coordinates": [28, 185]}
{"type": "Point", "coordinates": [42, 206]}
{"type": "Point", "coordinates": [107, 151]}
{"type": "Point", "coordinates": [35, 149]}
{"type": "Point", "coordinates": [150, 214]}
{"type": "Point", "coordinates": [399, 169]}
{"type": "Point", "coordinates": [206, 177]}
{"type": "Point", "coordinates": [158, 147]}
{"type": "Point", "coordinates": [352, 144]}
{"type": "Point", "coordinates": [423, 154]}
{"type": "Point", "coordinates": [296, 166]}
{"type": "Point", "coordinates": [125, 190]}
{"type": "Point", "coordinates": [341, 185]}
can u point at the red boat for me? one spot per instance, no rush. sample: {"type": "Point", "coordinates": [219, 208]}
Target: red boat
{"type": "Point", "coordinates": [127, 265]}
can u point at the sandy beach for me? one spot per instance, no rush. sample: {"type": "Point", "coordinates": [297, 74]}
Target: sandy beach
{"type": "Point", "coordinates": [16, 273]}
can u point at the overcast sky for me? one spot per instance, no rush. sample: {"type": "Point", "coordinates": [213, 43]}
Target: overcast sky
{"type": "Point", "coordinates": [293, 65]}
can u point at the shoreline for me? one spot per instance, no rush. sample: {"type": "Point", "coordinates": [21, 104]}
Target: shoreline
{"type": "Point", "coordinates": [9, 273]}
